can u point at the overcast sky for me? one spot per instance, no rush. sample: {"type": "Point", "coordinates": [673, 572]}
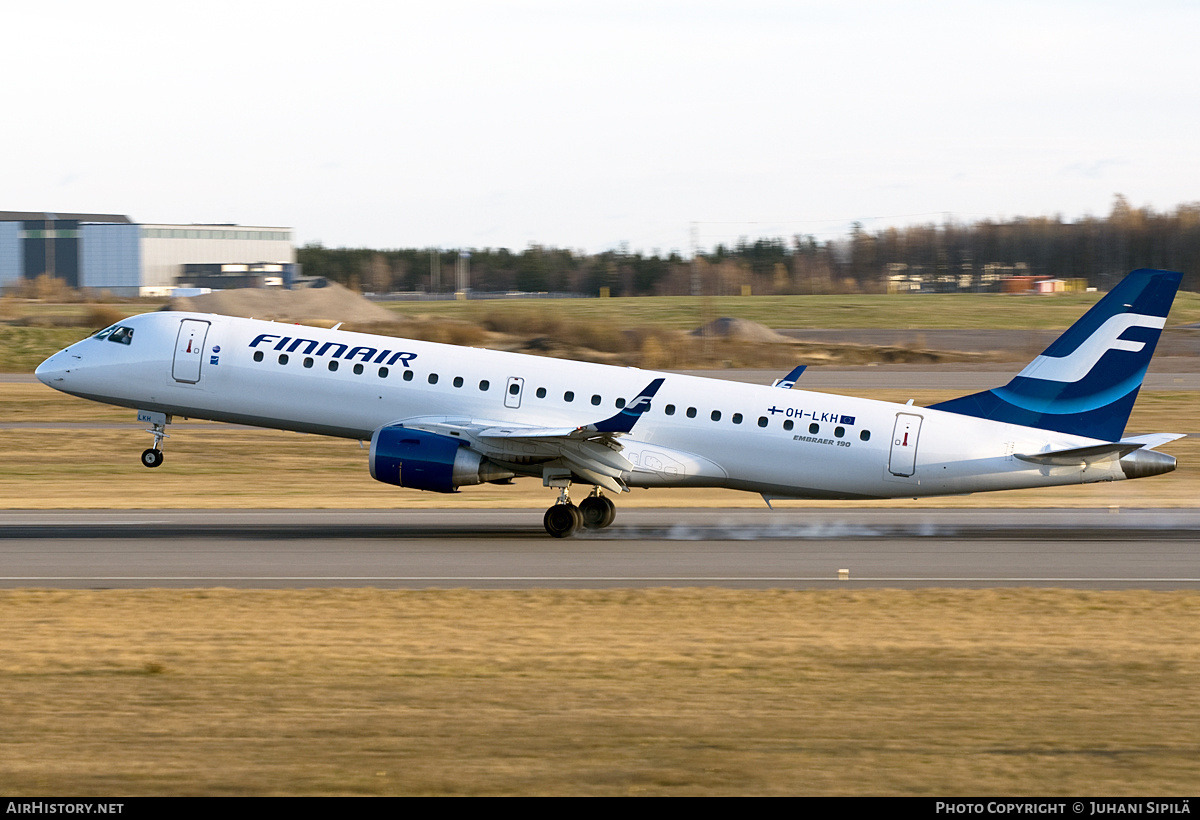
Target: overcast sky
{"type": "Point", "coordinates": [589, 125]}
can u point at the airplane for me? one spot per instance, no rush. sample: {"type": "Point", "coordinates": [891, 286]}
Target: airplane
{"type": "Point", "coordinates": [439, 417]}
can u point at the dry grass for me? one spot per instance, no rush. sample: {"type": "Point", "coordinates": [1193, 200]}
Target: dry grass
{"type": "Point", "coordinates": [567, 692]}
{"type": "Point", "coordinates": [643, 331]}
{"type": "Point", "coordinates": [947, 310]}
{"type": "Point", "coordinates": [599, 692]}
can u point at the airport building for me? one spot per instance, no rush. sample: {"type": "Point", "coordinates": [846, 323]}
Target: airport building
{"type": "Point", "coordinates": [114, 253]}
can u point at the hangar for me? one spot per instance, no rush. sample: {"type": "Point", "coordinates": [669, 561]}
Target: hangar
{"type": "Point", "coordinates": [112, 252]}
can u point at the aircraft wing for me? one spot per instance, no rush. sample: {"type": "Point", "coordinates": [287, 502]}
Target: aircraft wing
{"type": "Point", "coordinates": [589, 450]}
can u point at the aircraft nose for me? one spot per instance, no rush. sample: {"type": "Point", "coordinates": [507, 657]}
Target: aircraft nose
{"type": "Point", "coordinates": [52, 370]}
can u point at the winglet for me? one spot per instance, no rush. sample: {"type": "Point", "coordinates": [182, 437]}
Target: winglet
{"type": "Point", "coordinates": [624, 420]}
{"type": "Point", "coordinates": [788, 381]}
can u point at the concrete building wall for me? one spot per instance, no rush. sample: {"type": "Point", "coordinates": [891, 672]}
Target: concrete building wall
{"type": "Point", "coordinates": [111, 258]}
{"type": "Point", "coordinates": [10, 253]}
{"type": "Point", "coordinates": [166, 248]}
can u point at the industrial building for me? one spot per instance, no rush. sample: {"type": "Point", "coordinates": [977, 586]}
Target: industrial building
{"type": "Point", "coordinates": [113, 253]}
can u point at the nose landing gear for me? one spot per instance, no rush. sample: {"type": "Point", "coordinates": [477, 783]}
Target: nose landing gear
{"type": "Point", "coordinates": [153, 456]}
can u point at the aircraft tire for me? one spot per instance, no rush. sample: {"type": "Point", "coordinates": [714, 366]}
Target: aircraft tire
{"type": "Point", "coordinates": [598, 512]}
{"type": "Point", "coordinates": [151, 457]}
{"type": "Point", "coordinates": [562, 520]}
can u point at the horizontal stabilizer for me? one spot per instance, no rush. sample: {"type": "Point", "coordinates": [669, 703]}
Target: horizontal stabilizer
{"type": "Point", "coordinates": [1152, 440]}
{"type": "Point", "coordinates": [1112, 451]}
{"type": "Point", "coordinates": [1081, 455]}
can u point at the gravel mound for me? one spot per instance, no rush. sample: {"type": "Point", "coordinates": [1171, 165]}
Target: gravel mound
{"type": "Point", "coordinates": [741, 330]}
{"type": "Point", "coordinates": [326, 305]}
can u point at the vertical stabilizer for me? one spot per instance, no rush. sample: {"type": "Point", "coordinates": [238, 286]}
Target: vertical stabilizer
{"type": "Point", "coordinates": [1086, 382]}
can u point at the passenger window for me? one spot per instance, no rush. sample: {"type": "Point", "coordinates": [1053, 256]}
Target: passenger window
{"type": "Point", "coordinates": [716, 415]}
{"type": "Point", "coordinates": [283, 358]}
{"type": "Point", "coordinates": [484, 385]}
{"type": "Point", "coordinates": [838, 432]}
{"type": "Point", "coordinates": [358, 369]}
{"type": "Point", "coordinates": [788, 424]}
{"type": "Point", "coordinates": [433, 377]}
{"type": "Point", "coordinates": [569, 396]}
{"type": "Point", "coordinates": [813, 428]}
{"type": "Point", "coordinates": [308, 361]}
{"type": "Point", "coordinates": [737, 418]}
{"type": "Point", "coordinates": [408, 375]}
{"type": "Point", "coordinates": [258, 357]}
{"type": "Point", "coordinates": [595, 400]}
{"type": "Point", "coordinates": [620, 403]}
{"type": "Point", "coordinates": [333, 365]}
{"type": "Point", "coordinates": [762, 421]}
{"type": "Point", "coordinates": [383, 372]}
{"type": "Point", "coordinates": [865, 435]}
{"type": "Point", "coordinates": [541, 392]}
{"type": "Point", "coordinates": [691, 412]}
{"type": "Point", "coordinates": [458, 381]}
{"type": "Point", "coordinates": [670, 410]}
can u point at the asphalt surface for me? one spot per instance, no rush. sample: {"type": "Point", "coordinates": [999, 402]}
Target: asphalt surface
{"type": "Point", "coordinates": [1086, 549]}
{"type": "Point", "coordinates": [494, 549]}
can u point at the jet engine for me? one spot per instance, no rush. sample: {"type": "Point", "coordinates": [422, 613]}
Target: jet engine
{"type": "Point", "coordinates": [428, 461]}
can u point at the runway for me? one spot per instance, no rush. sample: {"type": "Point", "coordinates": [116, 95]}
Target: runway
{"type": "Point", "coordinates": [508, 549]}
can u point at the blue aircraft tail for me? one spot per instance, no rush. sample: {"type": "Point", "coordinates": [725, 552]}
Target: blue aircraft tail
{"type": "Point", "coordinates": [1086, 382]}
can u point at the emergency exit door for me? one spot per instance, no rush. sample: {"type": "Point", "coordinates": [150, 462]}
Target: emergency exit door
{"type": "Point", "coordinates": [513, 391]}
{"type": "Point", "coordinates": [903, 460]}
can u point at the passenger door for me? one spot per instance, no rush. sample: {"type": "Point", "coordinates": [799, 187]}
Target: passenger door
{"type": "Point", "coordinates": [189, 350]}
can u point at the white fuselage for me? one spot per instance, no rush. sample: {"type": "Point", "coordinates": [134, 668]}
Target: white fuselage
{"type": "Point", "coordinates": [781, 443]}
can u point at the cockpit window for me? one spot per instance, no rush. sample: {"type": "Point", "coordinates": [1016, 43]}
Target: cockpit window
{"type": "Point", "coordinates": [117, 333]}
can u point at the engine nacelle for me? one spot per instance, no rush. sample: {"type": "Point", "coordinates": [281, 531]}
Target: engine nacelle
{"type": "Point", "coordinates": [428, 461]}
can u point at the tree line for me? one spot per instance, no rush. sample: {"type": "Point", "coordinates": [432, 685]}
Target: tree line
{"type": "Point", "coordinates": [1100, 250]}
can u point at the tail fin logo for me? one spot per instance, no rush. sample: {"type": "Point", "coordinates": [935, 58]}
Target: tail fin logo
{"type": "Point", "coordinates": [1079, 362]}
{"type": "Point", "coordinates": [639, 405]}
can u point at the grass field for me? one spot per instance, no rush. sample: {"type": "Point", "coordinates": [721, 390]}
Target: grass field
{"type": "Point", "coordinates": [23, 348]}
{"type": "Point", "coordinates": [924, 311]}
{"type": "Point", "coordinates": [621, 692]}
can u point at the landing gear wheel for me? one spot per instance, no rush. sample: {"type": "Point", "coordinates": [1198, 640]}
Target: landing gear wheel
{"type": "Point", "coordinates": [562, 520]}
{"type": "Point", "coordinates": [598, 512]}
{"type": "Point", "coordinates": [152, 457]}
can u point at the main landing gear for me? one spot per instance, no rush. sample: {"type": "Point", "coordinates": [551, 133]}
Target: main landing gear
{"type": "Point", "coordinates": [153, 456]}
{"type": "Point", "coordinates": [595, 512]}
